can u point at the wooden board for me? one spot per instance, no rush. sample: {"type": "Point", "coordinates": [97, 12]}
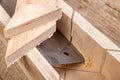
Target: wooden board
{"type": "Point", "coordinates": [26, 63]}
{"type": "Point", "coordinates": [21, 44]}
{"type": "Point", "coordinates": [104, 25]}
{"type": "Point", "coordinates": [103, 28]}
{"type": "Point", "coordinates": [30, 16]}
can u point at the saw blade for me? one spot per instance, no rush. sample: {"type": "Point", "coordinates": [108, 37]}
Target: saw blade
{"type": "Point", "coordinates": [58, 50]}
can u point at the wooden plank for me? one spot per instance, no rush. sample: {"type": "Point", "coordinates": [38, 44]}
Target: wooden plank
{"type": "Point", "coordinates": [104, 26]}
{"type": "Point", "coordinates": [99, 28]}
{"type": "Point", "coordinates": [26, 63]}
{"type": "Point", "coordinates": [30, 16]}
{"type": "Point", "coordinates": [20, 44]}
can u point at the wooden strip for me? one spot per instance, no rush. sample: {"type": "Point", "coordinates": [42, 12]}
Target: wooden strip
{"type": "Point", "coordinates": [100, 22]}
{"type": "Point", "coordinates": [20, 44]}
{"type": "Point", "coordinates": [94, 33]}
{"type": "Point", "coordinates": [30, 16]}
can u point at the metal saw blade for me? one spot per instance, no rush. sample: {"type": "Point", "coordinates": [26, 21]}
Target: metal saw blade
{"type": "Point", "coordinates": [58, 50]}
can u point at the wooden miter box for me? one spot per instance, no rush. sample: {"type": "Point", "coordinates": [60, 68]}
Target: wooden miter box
{"type": "Point", "coordinates": [99, 52]}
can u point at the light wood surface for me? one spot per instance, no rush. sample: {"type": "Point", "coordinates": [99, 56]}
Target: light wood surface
{"type": "Point", "coordinates": [26, 63]}
{"type": "Point", "coordinates": [103, 16]}
{"type": "Point", "coordinates": [30, 16]}
{"type": "Point", "coordinates": [21, 44]}
{"type": "Point", "coordinates": [104, 28]}
{"type": "Point", "coordinates": [100, 21]}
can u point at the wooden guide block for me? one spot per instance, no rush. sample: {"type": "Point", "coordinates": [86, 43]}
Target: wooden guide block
{"type": "Point", "coordinates": [30, 16]}
{"type": "Point", "coordinates": [19, 45]}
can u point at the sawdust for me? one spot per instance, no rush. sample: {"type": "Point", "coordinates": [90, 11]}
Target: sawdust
{"type": "Point", "coordinates": [87, 63]}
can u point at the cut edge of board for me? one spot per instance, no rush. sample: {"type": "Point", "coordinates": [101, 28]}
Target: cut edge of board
{"type": "Point", "coordinates": [13, 56]}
